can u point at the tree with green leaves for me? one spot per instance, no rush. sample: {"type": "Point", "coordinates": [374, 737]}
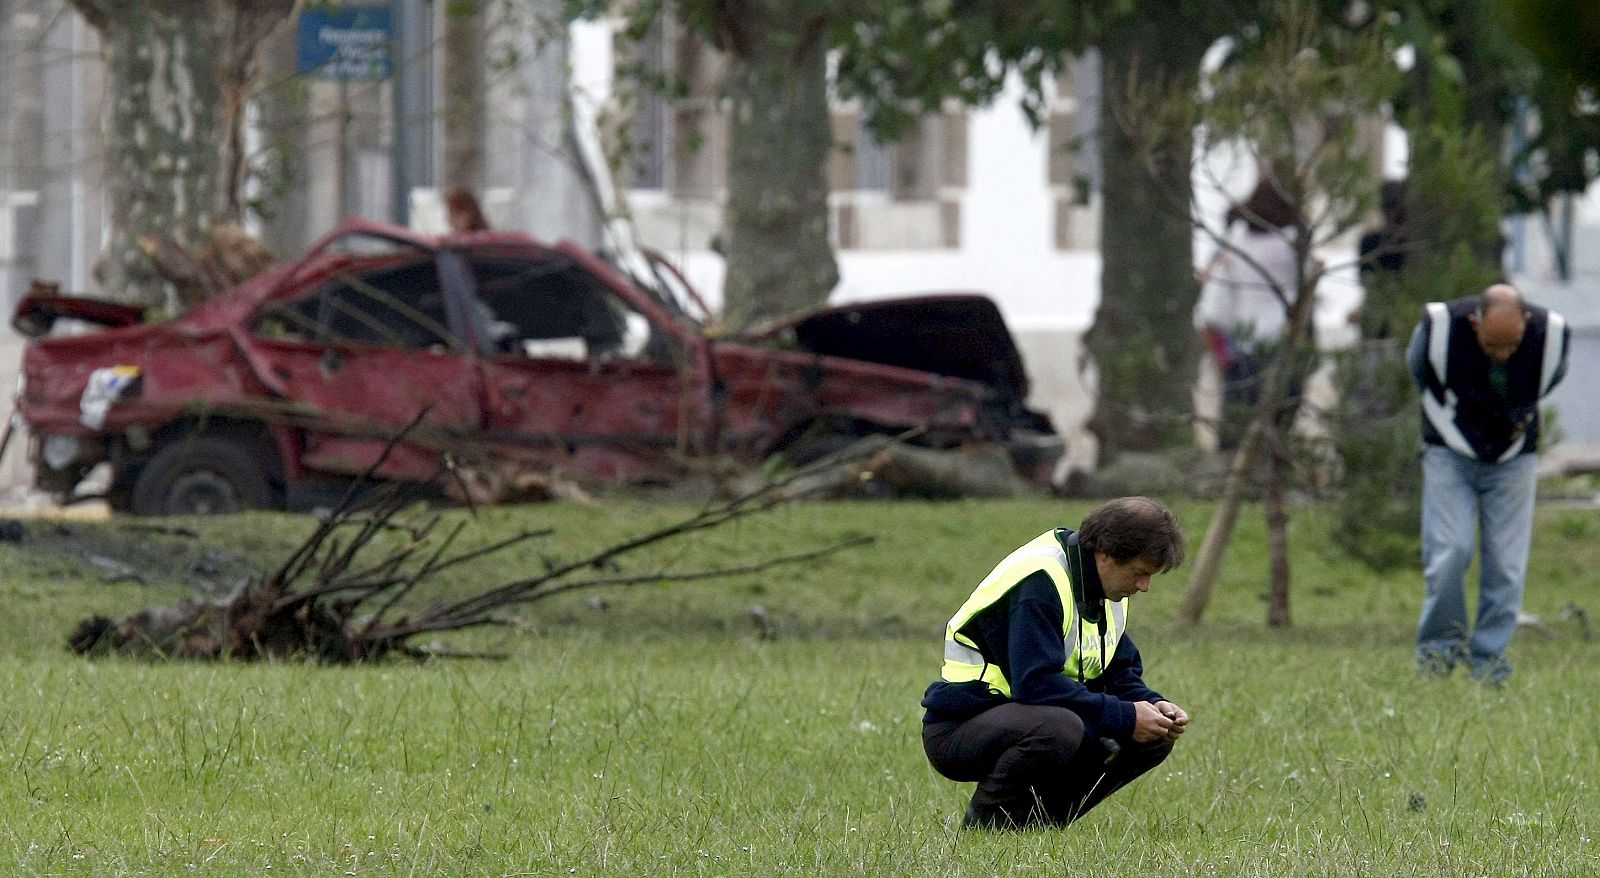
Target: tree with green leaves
{"type": "Point", "coordinates": [1492, 130]}
{"type": "Point", "coordinates": [1145, 371]}
{"type": "Point", "coordinates": [1450, 244]}
{"type": "Point", "coordinates": [1470, 82]}
{"type": "Point", "coordinates": [1295, 98]}
{"type": "Point", "coordinates": [1147, 281]}
{"type": "Point", "coordinates": [899, 60]}
{"type": "Point", "coordinates": [1562, 34]}
{"type": "Point", "coordinates": [1553, 162]}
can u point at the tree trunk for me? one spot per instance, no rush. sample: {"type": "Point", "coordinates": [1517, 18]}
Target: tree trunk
{"type": "Point", "coordinates": [284, 200]}
{"type": "Point", "coordinates": [464, 91]}
{"type": "Point", "coordinates": [1140, 342]}
{"type": "Point", "coordinates": [178, 75]}
{"type": "Point", "coordinates": [779, 258]}
{"type": "Point", "coordinates": [1208, 563]}
{"type": "Point", "coordinates": [1277, 516]}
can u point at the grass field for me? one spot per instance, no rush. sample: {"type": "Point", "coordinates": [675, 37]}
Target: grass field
{"type": "Point", "coordinates": [659, 732]}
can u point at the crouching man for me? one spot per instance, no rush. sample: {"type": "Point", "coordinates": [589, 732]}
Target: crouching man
{"type": "Point", "coordinates": [1042, 699]}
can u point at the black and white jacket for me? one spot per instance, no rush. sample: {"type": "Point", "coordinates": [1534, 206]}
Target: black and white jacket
{"type": "Point", "coordinates": [1461, 407]}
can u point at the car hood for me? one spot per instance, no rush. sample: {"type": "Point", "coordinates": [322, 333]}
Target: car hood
{"type": "Point", "coordinates": [961, 335]}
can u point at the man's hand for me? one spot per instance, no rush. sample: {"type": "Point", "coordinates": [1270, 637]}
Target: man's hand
{"type": "Point", "coordinates": [1151, 725]}
{"type": "Point", "coordinates": [1179, 717]}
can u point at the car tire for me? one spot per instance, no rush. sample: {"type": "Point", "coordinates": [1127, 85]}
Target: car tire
{"type": "Point", "coordinates": [202, 475]}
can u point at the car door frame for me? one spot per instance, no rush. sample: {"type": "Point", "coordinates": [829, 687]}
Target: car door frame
{"type": "Point", "coordinates": [690, 361]}
{"type": "Point", "coordinates": [342, 442]}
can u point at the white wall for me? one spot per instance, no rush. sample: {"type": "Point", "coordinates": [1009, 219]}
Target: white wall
{"type": "Point", "coordinates": [16, 474]}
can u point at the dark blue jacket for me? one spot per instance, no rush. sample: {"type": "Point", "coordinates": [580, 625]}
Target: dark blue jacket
{"type": "Point", "coordinates": [1021, 633]}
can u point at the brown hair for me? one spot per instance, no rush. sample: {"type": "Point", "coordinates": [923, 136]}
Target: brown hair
{"type": "Point", "coordinates": [1133, 528]}
{"type": "Point", "coordinates": [1266, 210]}
{"type": "Point", "coordinates": [464, 212]}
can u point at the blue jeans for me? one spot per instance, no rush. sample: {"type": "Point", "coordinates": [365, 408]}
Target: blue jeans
{"type": "Point", "coordinates": [1465, 502]}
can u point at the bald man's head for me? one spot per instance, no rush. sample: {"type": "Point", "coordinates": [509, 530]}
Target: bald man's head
{"type": "Point", "coordinates": [1499, 322]}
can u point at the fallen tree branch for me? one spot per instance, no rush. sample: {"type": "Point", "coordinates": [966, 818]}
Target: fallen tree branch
{"type": "Point", "coordinates": [331, 601]}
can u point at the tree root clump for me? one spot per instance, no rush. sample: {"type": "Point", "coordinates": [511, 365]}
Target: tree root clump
{"type": "Point", "coordinates": [341, 595]}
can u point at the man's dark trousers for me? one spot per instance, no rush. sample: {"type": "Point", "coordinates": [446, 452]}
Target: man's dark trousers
{"type": "Point", "coordinates": [1032, 764]}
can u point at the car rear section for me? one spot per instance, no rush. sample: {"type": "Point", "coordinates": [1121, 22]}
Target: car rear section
{"type": "Point", "coordinates": [943, 364]}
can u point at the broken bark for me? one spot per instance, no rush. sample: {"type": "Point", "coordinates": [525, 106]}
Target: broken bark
{"type": "Point", "coordinates": [878, 466]}
{"type": "Point", "coordinates": [227, 257]}
{"type": "Point", "coordinates": [339, 599]}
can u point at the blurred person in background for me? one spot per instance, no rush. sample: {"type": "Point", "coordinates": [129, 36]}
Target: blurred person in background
{"type": "Point", "coordinates": [464, 212]}
{"type": "Point", "coordinates": [1245, 294]}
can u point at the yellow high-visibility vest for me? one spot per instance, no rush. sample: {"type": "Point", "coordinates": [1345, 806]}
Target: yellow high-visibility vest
{"type": "Point", "coordinates": [1088, 648]}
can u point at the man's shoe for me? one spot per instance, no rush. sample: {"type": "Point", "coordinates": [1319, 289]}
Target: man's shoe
{"type": "Point", "coordinates": [1436, 662]}
{"type": "Point", "coordinates": [988, 819]}
{"type": "Point", "coordinates": [1434, 665]}
{"type": "Point", "coordinates": [976, 819]}
{"type": "Point", "coordinates": [1493, 670]}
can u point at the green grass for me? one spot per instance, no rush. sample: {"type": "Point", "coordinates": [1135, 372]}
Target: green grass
{"type": "Point", "coordinates": [661, 735]}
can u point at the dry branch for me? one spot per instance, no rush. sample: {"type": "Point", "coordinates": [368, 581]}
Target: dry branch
{"type": "Point", "coordinates": [339, 596]}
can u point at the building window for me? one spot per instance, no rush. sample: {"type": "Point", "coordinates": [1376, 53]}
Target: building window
{"type": "Point", "coordinates": [676, 135]}
{"type": "Point", "coordinates": [874, 161]}
{"type": "Point", "coordinates": [903, 195]}
{"type": "Point", "coordinates": [1073, 153]}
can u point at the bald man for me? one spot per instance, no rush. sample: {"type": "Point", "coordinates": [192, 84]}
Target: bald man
{"type": "Point", "coordinates": [1483, 364]}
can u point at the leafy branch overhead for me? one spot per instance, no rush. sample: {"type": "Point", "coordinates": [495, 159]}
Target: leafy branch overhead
{"type": "Point", "coordinates": [895, 60]}
{"type": "Point", "coordinates": [349, 592]}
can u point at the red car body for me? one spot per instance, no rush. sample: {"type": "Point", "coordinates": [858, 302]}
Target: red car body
{"type": "Point", "coordinates": [506, 349]}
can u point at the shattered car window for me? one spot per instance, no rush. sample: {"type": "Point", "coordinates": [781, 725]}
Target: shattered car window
{"type": "Point", "coordinates": [553, 309]}
{"type": "Point", "coordinates": [401, 306]}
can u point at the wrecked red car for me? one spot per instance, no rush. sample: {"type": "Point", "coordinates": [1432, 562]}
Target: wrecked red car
{"type": "Point", "coordinates": [545, 359]}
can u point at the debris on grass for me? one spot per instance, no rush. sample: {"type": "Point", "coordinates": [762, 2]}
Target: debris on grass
{"type": "Point", "coordinates": [341, 597]}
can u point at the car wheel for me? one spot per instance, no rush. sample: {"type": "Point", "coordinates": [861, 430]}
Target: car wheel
{"type": "Point", "coordinates": [201, 475]}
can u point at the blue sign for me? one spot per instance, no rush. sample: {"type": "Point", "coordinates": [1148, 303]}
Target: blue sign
{"type": "Point", "coordinates": [345, 42]}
